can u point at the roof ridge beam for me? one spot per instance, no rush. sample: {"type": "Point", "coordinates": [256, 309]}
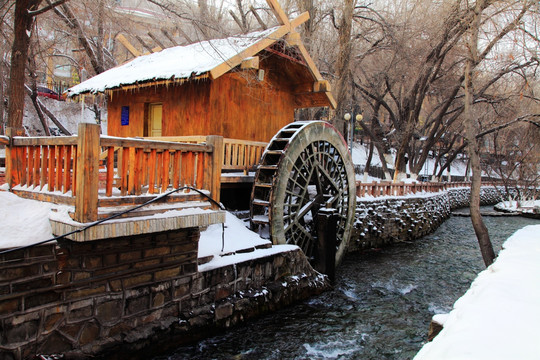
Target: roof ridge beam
{"type": "Point", "coordinates": [249, 52]}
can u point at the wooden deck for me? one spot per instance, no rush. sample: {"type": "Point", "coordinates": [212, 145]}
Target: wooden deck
{"type": "Point", "coordinates": [129, 171]}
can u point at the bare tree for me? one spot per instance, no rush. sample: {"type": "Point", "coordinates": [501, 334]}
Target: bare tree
{"type": "Point", "coordinates": [419, 82]}
{"type": "Point", "coordinates": [342, 70]}
{"type": "Point", "coordinates": [486, 248]}
{"type": "Point", "coordinates": [19, 53]}
{"type": "Point", "coordinates": [6, 36]}
{"type": "Point", "coordinates": [24, 17]}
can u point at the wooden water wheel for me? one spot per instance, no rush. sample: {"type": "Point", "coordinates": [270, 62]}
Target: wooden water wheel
{"type": "Point", "coordinates": [305, 167]}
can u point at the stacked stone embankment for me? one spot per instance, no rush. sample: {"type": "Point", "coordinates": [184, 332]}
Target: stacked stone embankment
{"type": "Point", "coordinates": [386, 220]}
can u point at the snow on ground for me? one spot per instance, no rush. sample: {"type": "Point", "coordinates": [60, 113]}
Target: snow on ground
{"type": "Point", "coordinates": [360, 153]}
{"type": "Point", "coordinates": [524, 206]}
{"type": "Point", "coordinates": [237, 237]}
{"type": "Point", "coordinates": [69, 113]}
{"type": "Point", "coordinates": [25, 222]}
{"type": "Point", "coordinates": [498, 317]}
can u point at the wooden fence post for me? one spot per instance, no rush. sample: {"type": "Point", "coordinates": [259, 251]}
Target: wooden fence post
{"type": "Point", "coordinates": [13, 160]}
{"type": "Point", "coordinates": [216, 164]}
{"type": "Point", "coordinates": [86, 199]}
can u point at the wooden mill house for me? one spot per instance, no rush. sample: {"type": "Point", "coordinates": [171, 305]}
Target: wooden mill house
{"type": "Point", "coordinates": [181, 116]}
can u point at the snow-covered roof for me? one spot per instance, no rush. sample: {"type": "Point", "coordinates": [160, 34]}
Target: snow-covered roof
{"type": "Point", "coordinates": [180, 62]}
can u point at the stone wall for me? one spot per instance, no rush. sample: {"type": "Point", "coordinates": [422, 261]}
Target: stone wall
{"type": "Point", "coordinates": [489, 195]}
{"type": "Point", "coordinates": [385, 220]}
{"type": "Point", "coordinates": [118, 298]}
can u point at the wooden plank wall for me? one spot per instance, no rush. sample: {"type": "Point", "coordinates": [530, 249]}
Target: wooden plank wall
{"type": "Point", "coordinates": [236, 105]}
{"type": "Point", "coordinates": [249, 109]}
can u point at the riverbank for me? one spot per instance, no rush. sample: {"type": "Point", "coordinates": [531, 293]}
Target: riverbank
{"type": "Point", "coordinates": [497, 318]}
{"type": "Point", "coordinates": [380, 307]}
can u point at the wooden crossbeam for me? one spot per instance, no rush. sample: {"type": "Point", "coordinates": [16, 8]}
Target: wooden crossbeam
{"type": "Point", "coordinates": [156, 40]}
{"type": "Point", "coordinates": [128, 45]}
{"type": "Point", "coordinates": [250, 63]}
{"type": "Point", "coordinates": [259, 20]}
{"type": "Point", "coordinates": [250, 51]}
{"type": "Point", "coordinates": [293, 39]}
{"type": "Point", "coordinates": [299, 20]}
{"type": "Point", "coordinates": [168, 36]}
{"type": "Point", "coordinates": [279, 13]}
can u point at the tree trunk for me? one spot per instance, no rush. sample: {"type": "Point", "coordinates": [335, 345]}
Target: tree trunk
{"type": "Point", "coordinates": [400, 165]}
{"type": "Point", "coordinates": [33, 97]}
{"type": "Point", "coordinates": [486, 248]}
{"type": "Point", "coordinates": [342, 65]}
{"type": "Point", "coordinates": [19, 55]}
{"type": "Point", "coordinates": [368, 161]}
{"type": "Point", "coordinates": [2, 91]}
{"type": "Point", "coordinates": [308, 28]}
{"type": "Point", "coordinates": [32, 93]}
{"type": "Point", "coordinates": [100, 38]}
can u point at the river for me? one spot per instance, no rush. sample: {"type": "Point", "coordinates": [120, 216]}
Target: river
{"type": "Point", "coordinates": [381, 305]}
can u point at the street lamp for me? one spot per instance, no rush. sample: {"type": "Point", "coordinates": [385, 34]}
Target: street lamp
{"type": "Point", "coordinates": [351, 126]}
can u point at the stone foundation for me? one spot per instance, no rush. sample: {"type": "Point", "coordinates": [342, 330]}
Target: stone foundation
{"type": "Point", "coordinates": [128, 296]}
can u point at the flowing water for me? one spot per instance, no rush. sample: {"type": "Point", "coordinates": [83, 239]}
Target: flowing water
{"type": "Point", "coordinates": [381, 305]}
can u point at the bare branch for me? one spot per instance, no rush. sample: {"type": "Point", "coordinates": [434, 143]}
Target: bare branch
{"type": "Point", "coordinates": [46, 8]}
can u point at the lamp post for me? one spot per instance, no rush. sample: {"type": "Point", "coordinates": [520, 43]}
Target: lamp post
{"type": "Point", "coordinates": [351, 126]}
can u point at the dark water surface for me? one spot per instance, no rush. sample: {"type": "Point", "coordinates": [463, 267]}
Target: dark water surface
{"type": "Point", "coordinates": [381, 305]}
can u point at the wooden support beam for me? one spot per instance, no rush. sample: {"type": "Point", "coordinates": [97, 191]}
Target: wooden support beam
{"type": "Point", "coordinates": [279, 13]}
{"type": "Point", "coordinates": [181, 32]}
{"type": "Point", "coordinates": [88, 148]}
{"type": "Point", "coordinates": [250, 51]}
{"type": "Point", "coordinates": [250, 63]}
{"type": "Point", "coordinates": [216, 164]}
{"type": "Point", "coordinates": [299, 20]}
{"type": "Point", "coordinates": [168, 36]}
{"type": "Point", "coordinates": [293, 39]}
{"type": "Point", "coordinates": [259, 20]}
{"type": "Point", "coordinates": [156, 40]}
{"type": "Point", "coordinates": [321, 86]}
{"type": "Point", "coordinates": [128, 45]}
{"type": "Point", "coordinates": [13, 161]}
{"type": "Point", "coordinates": [143, 43]}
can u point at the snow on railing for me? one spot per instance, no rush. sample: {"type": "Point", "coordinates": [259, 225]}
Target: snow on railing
{"type": "Point", "coordinates": [376, 189]}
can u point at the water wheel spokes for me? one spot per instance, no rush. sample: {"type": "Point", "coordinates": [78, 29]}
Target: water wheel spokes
{"type": "Point", "coordinates": [305, 167]}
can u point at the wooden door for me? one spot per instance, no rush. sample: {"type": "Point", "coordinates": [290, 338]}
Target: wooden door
{"type": "Point", "coordinates": [155, 112]}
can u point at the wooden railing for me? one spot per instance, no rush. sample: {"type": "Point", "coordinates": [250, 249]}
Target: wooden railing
{"type": "Point", "coordinates": [44, 163]}
{"type": "Point", "coordinates": [136, 166]}
{"type": "Point", "coordinates": [71, 166]}
{"type": "Point", "coordinates": [240, 155]}
{"type": "Point", "coordinates": [376, 189]}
